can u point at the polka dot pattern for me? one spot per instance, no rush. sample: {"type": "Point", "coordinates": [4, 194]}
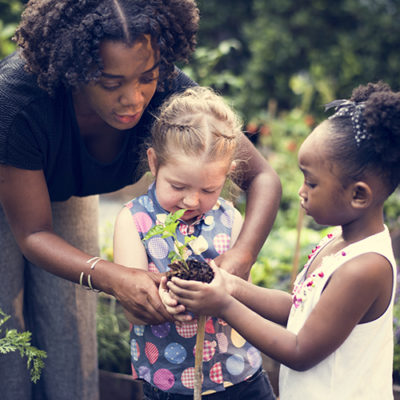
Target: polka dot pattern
{"type": "Point", "coordinates": [144, 373]}
{"type": "Point", "coordinates": [237, 339]}
{"type": "Point", "coordinates": [142, 221]}
{"type": "Point", "coordinates": [221, 243]}
{"type": "Point", "coordinates": [151, 352]}
{"type": "Point", "coordinates": [175, 353]}
{"type": "Point", "coordinates": [157, 248]}
{"type": "Point", "coordinates": [216, 373]}
{"type": "Point", "coordinates": [161, 331]}
{"type": "Point", "coordinates": [187, 378]}
{"type": "Point", "coordinates": [186, 230]}
{"type": "Point", "coordinates": [138, 329]}
{"type": "Point", "coordinates": [153, 267]}
{"type": "Point", "coordinates": [208, 350]}
{"type": "Point", "coordinates": [235, 364]}
{"type": "Point", "coordinates": [163, 355]}
{"type": "Point", "coordinates": [254, 357]}
{"type": "Point", "coordinates": [187, 330]}
{"type": "Point", "coordinates": [135, 350]}
{"type": "Point", "coordinates": [199, 245]}
{"type": "Point", "coordinates": [164, 379]}
{"type": "Point", "coordinates": [147, 203]}
{"type": "Point", "coordinates": [222, 342]}
{"type": "Point", "coordinates": [227, 218]}
{"type": "Point", "coordinates": [210, 326]}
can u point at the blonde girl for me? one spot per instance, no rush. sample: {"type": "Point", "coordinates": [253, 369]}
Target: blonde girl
{"type": "Point", "coordinates": [194, 149]}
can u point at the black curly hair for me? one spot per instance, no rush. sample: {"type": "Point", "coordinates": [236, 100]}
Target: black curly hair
{"type": "Point", "coordinates": [60, 39]}
{"type": "Point", "coordinates": [380, 151]}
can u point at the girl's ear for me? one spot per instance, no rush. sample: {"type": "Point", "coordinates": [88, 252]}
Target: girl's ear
{"type": "Point", "coordinates": [361, 195]}
{"type": "Point", "coordinates": [152, 160]}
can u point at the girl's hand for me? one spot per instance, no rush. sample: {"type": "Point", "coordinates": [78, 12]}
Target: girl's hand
{"type": "Point", "coordinates": [202, 298]}
{"type": "Point", "coordinates": [171, 304]}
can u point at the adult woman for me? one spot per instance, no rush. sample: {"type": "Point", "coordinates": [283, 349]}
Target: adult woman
{"type": "Point", "coordinates": [72, 126]}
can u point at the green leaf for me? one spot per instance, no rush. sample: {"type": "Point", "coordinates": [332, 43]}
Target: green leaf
{"type": "Point", "coordinates": [167, 234]}
{"type": "Point", "coordinates": [173, 256]}
{"type": "Point", "coordinates": [155, 230]}
{"type": "Point", "coordinates": [168, 229]}
{"type": "Point", "coordinates": [21, 342]}
{"type": "Point", "coordinates": [189, 239]}
{"type": "Point", "coordinates": [171, 228]}
{"type": "Point", "coordinates": [171, 218]}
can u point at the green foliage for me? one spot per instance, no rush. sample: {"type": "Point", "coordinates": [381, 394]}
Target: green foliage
{"type": "Point", "coordinates": [274, 264]}
{"type": "Point", "coordinates": [10, 13]}
{"type": "Point", "coordinates": [342, 43]}
{"type": "Point", "coordinates": [392, 211]}
{"type": "Point", "coordinates": [106, 241]}
{"type": "Point", "coordinates": [12, 341]}
{"type": "Point", "coordinates": [168, 229]}
{"type": "Point", "coordinates": [112, 325]}
{"type": "Point", "coordinates": [334, 46]}
{"type": "Point", "coordinates": [112, 336]}
{"type": "Point", "coordinates": [278, 139]}
{"type": "Point", "coordinates": [207, 59]}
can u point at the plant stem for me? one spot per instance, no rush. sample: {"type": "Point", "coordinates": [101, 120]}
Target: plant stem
{"type": "Point", "coordinates": [198, 361]}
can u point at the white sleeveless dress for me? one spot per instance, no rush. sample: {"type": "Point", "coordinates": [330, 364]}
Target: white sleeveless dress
{"type": "Point", "coordinates": [361, 368]}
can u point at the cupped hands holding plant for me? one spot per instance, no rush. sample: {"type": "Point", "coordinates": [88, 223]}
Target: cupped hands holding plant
{"type": "Point", "coordinates": [181, 296]}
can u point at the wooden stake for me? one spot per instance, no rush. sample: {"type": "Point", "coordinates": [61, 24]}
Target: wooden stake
{"type": "Point", "coordinates": [198, 361]}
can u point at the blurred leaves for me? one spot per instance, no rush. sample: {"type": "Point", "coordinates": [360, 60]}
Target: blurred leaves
{"type": "Point", "coordinates": [334, 45]}
{"type": "Point", "coordinates": [13, 341]}
{"type": "Point", "coordinates": [10, 12]}
{"type": "Point", "coordinates": [112, 336]}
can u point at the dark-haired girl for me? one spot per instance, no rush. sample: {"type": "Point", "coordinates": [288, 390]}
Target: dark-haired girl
{"type": "Point", "coordinates": [76, 104]}
{"type": "Point", "coordinates": [336, 341]}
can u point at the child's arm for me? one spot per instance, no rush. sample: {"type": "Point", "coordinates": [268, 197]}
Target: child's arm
{"type": "Point", "coordinates": [263, 193]}
{"type": "Point", "coordinates": [236, 227]}
{"type": "Point", "coordinates": [358, 292]}
{"type": "Point", "coordinates": [129, 249]}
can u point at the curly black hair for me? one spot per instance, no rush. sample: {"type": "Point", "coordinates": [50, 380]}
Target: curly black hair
{"type": "Point", "coordinates": [380, 151]}
{"type": "Point", "coordinates": [60, 39]}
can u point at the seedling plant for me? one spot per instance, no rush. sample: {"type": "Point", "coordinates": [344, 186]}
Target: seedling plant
{"type": "Point", "coordinates": [189, 269]}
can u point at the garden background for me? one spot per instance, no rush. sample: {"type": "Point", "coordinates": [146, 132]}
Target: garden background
{"type": "Point", "coordinates": [278, 62]}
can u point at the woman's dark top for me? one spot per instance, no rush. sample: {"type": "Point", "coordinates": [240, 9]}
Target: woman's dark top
{"type": "Point", "coordinates": [39, 132]}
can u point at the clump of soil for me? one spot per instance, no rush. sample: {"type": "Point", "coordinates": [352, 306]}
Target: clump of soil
{"type": "Point", "coordinates": [198, 271]}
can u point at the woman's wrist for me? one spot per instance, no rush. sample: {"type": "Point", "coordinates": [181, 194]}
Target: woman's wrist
{"type": "Point", "coordinates": [107, 276]}
{"type": "Point", "coordinates": [246, 257]}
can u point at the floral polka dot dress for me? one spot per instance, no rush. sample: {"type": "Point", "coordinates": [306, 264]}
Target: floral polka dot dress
{"type": "Point", "coordinates": [163, 355]}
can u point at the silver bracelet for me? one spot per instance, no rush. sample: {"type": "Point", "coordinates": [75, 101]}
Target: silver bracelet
{"type": "Point", "coordinates": [93, 261]}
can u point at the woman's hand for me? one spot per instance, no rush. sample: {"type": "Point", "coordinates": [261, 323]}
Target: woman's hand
{"type": "Point", "coordinates": [137, 291]}
{"type": "Point", "coordinates": [236, 262]}
{"type": "Point", "coordinates": [203, 298]}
